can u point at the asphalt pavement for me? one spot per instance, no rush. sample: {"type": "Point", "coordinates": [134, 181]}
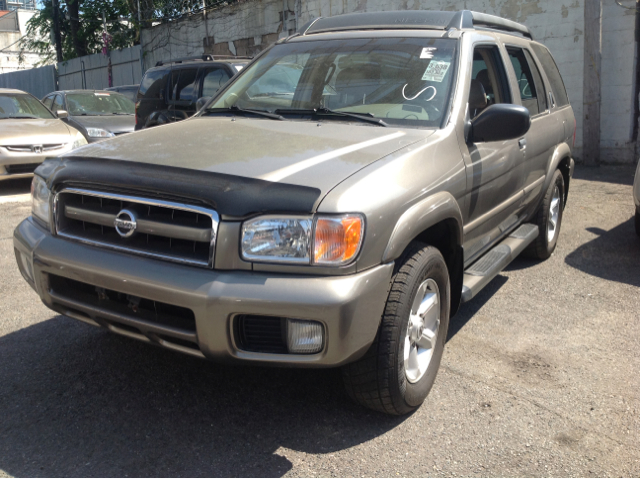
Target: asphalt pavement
{"type": "Point", "coordinates": [540, 377]}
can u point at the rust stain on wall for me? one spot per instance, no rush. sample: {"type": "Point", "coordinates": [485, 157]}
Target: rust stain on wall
{"type": "Point", "coordinates": [520, 11]}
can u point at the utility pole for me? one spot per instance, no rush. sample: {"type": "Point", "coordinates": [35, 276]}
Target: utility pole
{"type": "Point", "coordinates": [105, 49]}
{"type": "Point", "coordinates": [57, 38]}
{"type": "Point", "coordinates": [206, 28]}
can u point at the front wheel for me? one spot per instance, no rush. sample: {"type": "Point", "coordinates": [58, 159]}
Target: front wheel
{"type": "Point", "coordinates": [549, 219]}
{"type": "Point", "coordinates": [399, 369]}
{"type": "Point", "coordinates": [638, 221]}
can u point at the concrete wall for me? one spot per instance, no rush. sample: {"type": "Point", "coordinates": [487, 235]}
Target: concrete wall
{"type": "Point", "coordinates": [125, 67]}
{"type": "Point", "coordinates": [248, 27]}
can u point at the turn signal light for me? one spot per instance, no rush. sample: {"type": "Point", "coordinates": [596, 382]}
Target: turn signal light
{"type": "Point", "coordinates": [337, 239]}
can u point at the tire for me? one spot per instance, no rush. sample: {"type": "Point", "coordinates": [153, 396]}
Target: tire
{"type": "Point", "coordinates": [379, 380]}
{"type": "Point", "coordinates": [545, 244]}
{"type": "Point", "coordinates": [638, 222]}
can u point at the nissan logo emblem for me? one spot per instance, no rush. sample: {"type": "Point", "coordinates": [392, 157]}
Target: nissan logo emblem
{"type": "Point", "coordinates": [125, 223]}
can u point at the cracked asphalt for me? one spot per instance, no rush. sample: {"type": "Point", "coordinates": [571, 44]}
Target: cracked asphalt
{"type": "Point", "coordinates": [540, 377]}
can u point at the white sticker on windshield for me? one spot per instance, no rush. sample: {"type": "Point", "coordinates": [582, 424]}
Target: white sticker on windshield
{"type": "Point", "coordinates": [436, 71]}
{"type": "Point", "coordinates": [428, 52]}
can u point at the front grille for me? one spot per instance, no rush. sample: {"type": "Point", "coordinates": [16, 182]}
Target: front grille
{"type": "Point", "coordinates": [21, 169]}
{"type": "Point", "coordinates": [166, 324]}
{"type": "Point", "coordinates": [32, 148]}
{"type": "Point", "coordinates": [155, 228]}
{"type": "Point", "coordinates": [261, 334]}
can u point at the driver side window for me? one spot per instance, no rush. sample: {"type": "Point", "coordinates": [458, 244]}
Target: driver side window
{"type": "Point", "coordinates": [488, 80]}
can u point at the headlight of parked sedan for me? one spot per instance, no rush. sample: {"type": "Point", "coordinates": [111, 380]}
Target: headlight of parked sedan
{"type": "Point", "coordinates": [323, 240]}
{"type": "Point", "coordinates": [99, 133]}
{"type": "Point", "coordinates": [40, 196]}
{"type": "Point", "coordinates": [79, 141]}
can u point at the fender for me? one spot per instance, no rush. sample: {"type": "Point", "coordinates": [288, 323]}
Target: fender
{"type": "Point", "coordinates": [561, 152]}
{"type": "Point", "coordinates": [421, 216]}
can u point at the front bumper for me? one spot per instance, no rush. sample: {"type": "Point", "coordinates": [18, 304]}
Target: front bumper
{"type": "Point", "coordinates": [349, 307]}
{"type": "Point", "coordinates": [15, 160]}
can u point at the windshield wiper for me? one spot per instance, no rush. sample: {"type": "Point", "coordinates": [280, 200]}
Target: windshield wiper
{"type": "Point", "coordinates": [368, 117]}
{"type": "Point", "coordinates": [120, 113]}
{"type": "Point", "coordinates": [237, 109]}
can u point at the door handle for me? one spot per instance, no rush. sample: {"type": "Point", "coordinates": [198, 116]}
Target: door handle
{"type": "Point", "coordinates": [522, 143]}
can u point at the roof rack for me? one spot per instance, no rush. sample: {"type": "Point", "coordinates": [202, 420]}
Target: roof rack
{"type": "Point", "coordinates": [203, 58]}
{"type": "Point", "coordinates": [413, 19]}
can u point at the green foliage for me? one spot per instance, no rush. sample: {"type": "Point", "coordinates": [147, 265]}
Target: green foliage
{"type": "Point", "coordinates": [122, 23]}
{"type": "Point", "coordinates": [89, 28]}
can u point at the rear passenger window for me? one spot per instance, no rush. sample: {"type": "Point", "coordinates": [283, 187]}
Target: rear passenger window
{"type": "Point", "coordinates": [529, 82]}
{"type": "Point", "coordinates": [551, 69]}
{"type": "Point", "coordinates": [153, 84]}
{"type": "Point", "coordinates": [183, 85]}
{"type": "Point", "coordinates": [213, 81]}
{"type": "Point", "coordinates": [488, 76]}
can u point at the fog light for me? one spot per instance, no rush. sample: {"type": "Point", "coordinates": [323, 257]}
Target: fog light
{"type": "Point", "coordinates": [304, 337]}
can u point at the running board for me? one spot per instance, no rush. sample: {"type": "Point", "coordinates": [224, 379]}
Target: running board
{"type": "Point", "coordinates": [480, 273]}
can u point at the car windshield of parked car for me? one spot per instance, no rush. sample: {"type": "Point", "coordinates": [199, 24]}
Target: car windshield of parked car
{"type": "Point", "coordinates": [21, 106]}
{"type": "Point", "coordinates": [402, 81]}
{"type": "Point", "coordinates": [99, 104]}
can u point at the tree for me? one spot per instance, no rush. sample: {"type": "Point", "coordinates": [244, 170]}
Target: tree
{"type": "Point", "coordinates": [80, 23]}
{"type": "Point", "coordinates": [81, 27]}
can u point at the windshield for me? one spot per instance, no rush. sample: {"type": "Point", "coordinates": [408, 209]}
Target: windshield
{"type": "Point", "coordinates": [97, 104]}
{"type": "Point", "coordinates": [403, 81]}
{"type": "Point", "coordinates": [22, 106]}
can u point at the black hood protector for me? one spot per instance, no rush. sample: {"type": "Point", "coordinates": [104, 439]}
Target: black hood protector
{"type": "Point", "coordinates": [229, 195]}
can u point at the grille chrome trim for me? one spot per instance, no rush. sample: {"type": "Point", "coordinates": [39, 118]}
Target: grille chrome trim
{"type": "Point", "coordinates": [212, 214]}
{"type": "Point", "coordinates": [30, 148]}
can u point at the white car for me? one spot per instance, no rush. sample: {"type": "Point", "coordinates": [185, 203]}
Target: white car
{"type": "Point", "coordinates": [30, 133]}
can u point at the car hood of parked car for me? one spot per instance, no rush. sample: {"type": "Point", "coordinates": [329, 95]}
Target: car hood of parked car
{"type": "Point", "coordinates": [112, 123]}
{"type": "Point", "coordinates": [305, 153]}
{"type": "Point", "coordinates": [34, 131]}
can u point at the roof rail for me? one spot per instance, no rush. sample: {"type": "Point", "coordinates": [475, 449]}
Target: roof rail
{"type": "Point", "coordinates": [413, 19]}
{"type": "Point", "coordinates": [203, 58]}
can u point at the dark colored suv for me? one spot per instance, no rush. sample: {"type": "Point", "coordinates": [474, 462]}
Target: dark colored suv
{"type": "Point", "coordinates": [169, 91]}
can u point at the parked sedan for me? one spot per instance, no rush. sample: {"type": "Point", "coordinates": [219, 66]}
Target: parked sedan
{"type": "Point", "coordinates": [97, 114]}
{"type": "Point", "coordinates": [29, 133]}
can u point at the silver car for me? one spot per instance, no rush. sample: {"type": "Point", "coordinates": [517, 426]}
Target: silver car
{"type": "Point", "coordinates": [336, 217]}
{"type": "Point", "coordinates": [29, 133]}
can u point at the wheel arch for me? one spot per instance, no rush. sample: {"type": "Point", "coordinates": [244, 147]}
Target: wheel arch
{"type": "Point", "coordinates": [436, 221]}
{"type": "Point", "coordinates": [560, 160]}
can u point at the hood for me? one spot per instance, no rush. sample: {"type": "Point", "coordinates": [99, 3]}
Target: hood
{"type": "Point", "coordinates": [36, 131]}
{"type": "Point", "coordinates": [112, 123]}
{"type": "Point", "coordinates": [304, 153]}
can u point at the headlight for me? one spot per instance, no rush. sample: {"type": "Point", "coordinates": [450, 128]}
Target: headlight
{"type": "Point", "coordinates": [40, 195]}
{"type": "Point", "coordinates": [79, 141]}
{"type": "Point", "coordinates": [99, 133]}
{"type": "Point", "coordinates": [274, 239]}
{"type": "Point", "coordinates": [325, 240]}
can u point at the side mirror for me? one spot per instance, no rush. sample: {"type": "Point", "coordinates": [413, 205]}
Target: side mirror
{"type": "Point", "coordinates": [202, 102]}
{"type": "Point", "coordinates": [499, 122]}
{"type": "Point", "coordinates": [62, 114]}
